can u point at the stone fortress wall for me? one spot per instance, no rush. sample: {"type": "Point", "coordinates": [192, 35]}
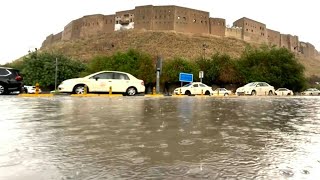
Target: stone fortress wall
{"type": "Point", "coordinates": [179, 19]}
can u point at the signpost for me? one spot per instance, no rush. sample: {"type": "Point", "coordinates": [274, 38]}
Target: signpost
{"type": "Point", "coordinates": [201, 75]}
{"type": "Point", "coordinates": [185, 77]}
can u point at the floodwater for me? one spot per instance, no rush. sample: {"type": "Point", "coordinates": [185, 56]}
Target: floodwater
{"type": "Point", "coordinates": [159, 138]}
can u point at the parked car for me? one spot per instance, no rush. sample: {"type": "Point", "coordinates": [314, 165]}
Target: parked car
{"type": "Point", "coordinates": [193, 89]}
{"type": "Point", "coordinates": [10, 80]}
{"type": "Point", "coordinates": [311, 92]}
{"type": "Point", "coordinates": [120, 82]}
{"type": "Point", "coordinates": [255, 88]}
{"type": "Point", "coordinates": [222, 92]}
{"type": "Point", "coordinates": [30, 89]}
{"type": "Point", "coordinates": [283, 92]}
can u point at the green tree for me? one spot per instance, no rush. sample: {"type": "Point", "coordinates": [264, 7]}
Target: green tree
{"type": "Point", "coordinates": [40, 68]}
{"type": "Point", "coordinates": [137, 63]}
{"type": "Point", "coordinates": [219, 69]}
{"type": "Point", "coordinates": [277, 66]}
{"type": "Point", "coordinates": [173, 67]}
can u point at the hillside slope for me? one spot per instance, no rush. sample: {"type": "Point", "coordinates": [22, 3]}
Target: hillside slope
{"type": "Point", "coordinates": [164, 43]}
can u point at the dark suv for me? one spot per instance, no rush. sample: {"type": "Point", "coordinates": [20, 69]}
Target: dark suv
{"type": "Point", "coordinates": [10, 80]}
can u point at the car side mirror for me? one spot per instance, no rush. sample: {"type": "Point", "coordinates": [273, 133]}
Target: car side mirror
{"type": "Point", "coordinates": [96, 78]}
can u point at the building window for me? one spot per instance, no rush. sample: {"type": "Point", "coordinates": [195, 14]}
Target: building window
{"type": "Point", "coordinates": [251, 30]}
{"type": "Point", "coordinates": [184, 18]}
{"type": "Point", "coordinates": [117, 22]}
{"type": "Point", "coordinates": [246, 29]}
{"type": "Point", "coordinates": [201, 21]}
{"type": "Point", "coordinates": [194, 21]}
{"type": "Point", "coordinates": [155, 17]}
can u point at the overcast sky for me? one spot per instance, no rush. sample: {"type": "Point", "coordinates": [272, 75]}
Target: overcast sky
{"type": "Point", "coordinates": [26, 23]}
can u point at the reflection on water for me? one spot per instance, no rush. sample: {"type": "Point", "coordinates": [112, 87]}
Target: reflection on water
{"type": "Point", "coordinates": [162, 138]}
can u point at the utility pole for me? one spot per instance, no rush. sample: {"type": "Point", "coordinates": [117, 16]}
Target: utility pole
{"type": "Point", "coordinates": [159, 69]}
{"type": "Point", "coordinates": [56, 76]}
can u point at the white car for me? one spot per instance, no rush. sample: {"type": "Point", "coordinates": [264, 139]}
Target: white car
{"type": "Point", "coordinates": [255, 88]}
{"type": "Point", "coordinates": [283, 92]}
{"type": "Point", "coordinates": [103, 81]}
{"type": "Point", "coordinates": [30, 89]}
{"type": "Point", "coordinates": [311, 92]}
{"type": "Point", "coordinates": [221, 92]}
{"type": "Point", "coordinates": [193, 89]}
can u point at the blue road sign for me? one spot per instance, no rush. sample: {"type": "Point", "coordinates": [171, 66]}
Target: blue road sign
{"type": "Point", "coordinates": [185, 77]}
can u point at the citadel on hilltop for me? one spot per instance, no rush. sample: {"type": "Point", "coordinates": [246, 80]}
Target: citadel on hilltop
{"type": "Point", "coordinates": [179, 19]}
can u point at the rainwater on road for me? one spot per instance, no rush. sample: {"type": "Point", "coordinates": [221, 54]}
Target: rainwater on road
{"type": "Point", "coordinates": [159, 138]}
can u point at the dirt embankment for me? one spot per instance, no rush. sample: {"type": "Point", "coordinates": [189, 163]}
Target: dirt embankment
{"type": "Point", "coordinates": [165, 43]}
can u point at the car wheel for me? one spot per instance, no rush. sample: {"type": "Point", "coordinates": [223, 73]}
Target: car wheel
{"type": "Point", "coordinates": [270, 93]}
{"type": "Point", "coordinates": [253, 93]}
{"type": "Point", "coordinates": [207, 93]}
{"type": "Point", "coordinates": [79, 89]}
{"type": "Point", "coordinates": [226, 94]}
{"type": "Point", "coordinates": [188, 93]}
{"type": "Point", "coordinates": [26, 90]}
{"type": "Point", "coordinates": [131, 91]}
{"type": "Point", "coordinates": [3, 89]}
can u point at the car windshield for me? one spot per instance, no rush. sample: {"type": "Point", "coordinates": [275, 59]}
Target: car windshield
{"type": "Point", "coordinates": [187, 85]}
{"type": "Point", "coordinates": [282, 89]}
{"type": "Point", "coordinates": [250, 84]}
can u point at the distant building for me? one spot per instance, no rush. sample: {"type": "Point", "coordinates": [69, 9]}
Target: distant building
{"type": "Point", "coordinates": [179, 19]}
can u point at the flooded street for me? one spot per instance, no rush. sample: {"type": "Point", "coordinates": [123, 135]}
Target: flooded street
{"type": "Point", "coordinates": [159, 138]}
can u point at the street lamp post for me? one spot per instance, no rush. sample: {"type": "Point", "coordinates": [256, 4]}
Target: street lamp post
{"type": "Point", "coordinates": [56, 76]}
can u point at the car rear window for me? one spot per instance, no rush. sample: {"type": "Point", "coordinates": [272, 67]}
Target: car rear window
{"type": "Point", "coordinates": [3, 72]}
{"type": "Point", "coordinates": [15, 72]}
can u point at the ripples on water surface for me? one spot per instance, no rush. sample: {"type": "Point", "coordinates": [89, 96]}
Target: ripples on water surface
{"type": "Point", "coordinates": [159, 138]}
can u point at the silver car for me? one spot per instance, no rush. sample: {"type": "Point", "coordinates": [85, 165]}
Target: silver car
{"type": "Point", "coordinates": [283, 92]}
{"type": "Point", "coordinates": [255, 88]}
{"type": "Point", "coordinates": [311, 92]}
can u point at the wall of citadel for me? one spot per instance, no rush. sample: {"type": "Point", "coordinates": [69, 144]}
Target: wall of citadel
{"type": "Point", "coordinates": [217, 26]}
{"type": "Point", "coordinates": [191, 20]}
{"type": "Point", "coordinates": [52, 38]}
{"type": "Point", "coordinates": [252, 30]}
{"type": "Point", "coordinates": [234, 32]}
{"type": "Point", "coordinates": [87, 26]}
{"type": "Point", "coordinates": [273, 38]}
{"type": "Point", "coordinates": [178, 19]}
{"type": "Point", "coordinates": [307, 49]}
